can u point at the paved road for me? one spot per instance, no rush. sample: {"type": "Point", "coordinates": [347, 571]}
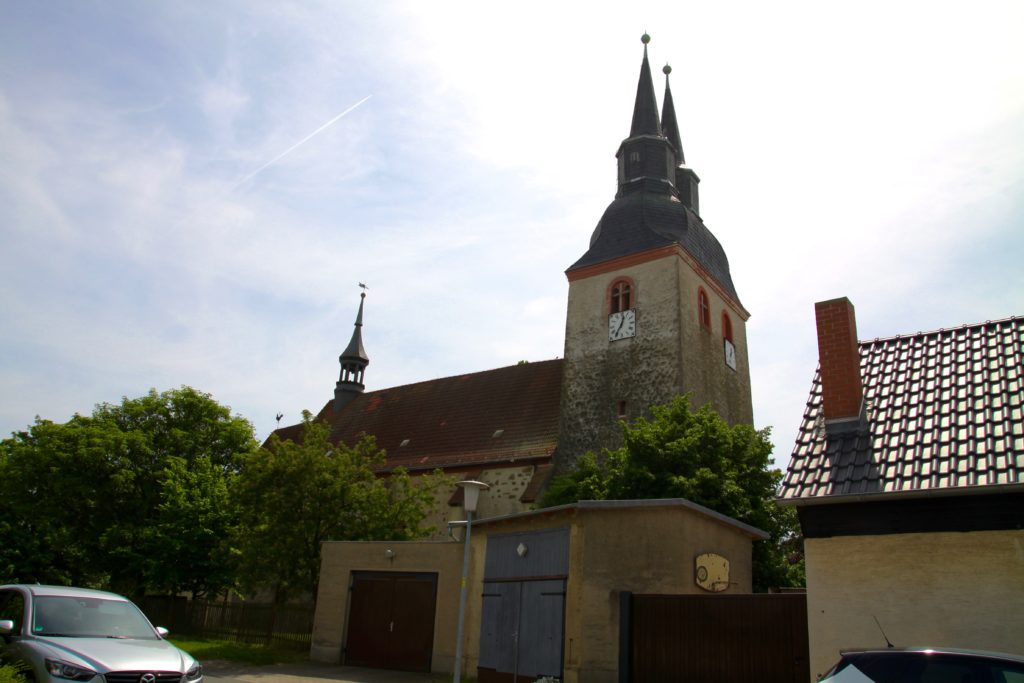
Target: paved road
{"type": "Point", "coordinates": [309, 672]}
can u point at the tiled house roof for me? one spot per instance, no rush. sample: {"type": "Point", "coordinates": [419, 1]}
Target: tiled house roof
{"type": "Point", "coordinates": [944, 413]}
{"type": "Point", "coordinates": [496, 417]}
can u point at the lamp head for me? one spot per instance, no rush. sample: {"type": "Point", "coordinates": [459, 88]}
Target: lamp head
{"type": "Point", "coordinates": [471, 493]}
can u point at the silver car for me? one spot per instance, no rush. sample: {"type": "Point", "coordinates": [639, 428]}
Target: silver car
{"type": "Point", "coordinates": [65, 634]}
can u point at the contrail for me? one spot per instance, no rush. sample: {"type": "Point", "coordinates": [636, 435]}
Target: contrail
{"type": "Point", "coordinates": [297, 144]}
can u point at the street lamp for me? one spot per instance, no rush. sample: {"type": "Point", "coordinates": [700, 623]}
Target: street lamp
{"type": "Point", "coordinates": [470, 497]}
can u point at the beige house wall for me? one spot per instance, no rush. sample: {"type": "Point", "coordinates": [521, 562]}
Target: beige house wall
{"type": "Point", "coordinates": [645, 550]}
{"type": "Point", "coordinates": [340, 558]}
{"type": "Point", "coordinates": [928, 589]}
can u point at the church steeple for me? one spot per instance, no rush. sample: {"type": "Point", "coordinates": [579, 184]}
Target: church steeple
{"type": "Point", "coordinates": [647, 160]}
{"type": "Point", "coordinates": [668, 119]}
{"type": "Point", "coordinates": [645, 109]}
{"type": "Point", "coordinates": [353, 364]}
{"type": "Point", "coordinates": [686, 180]}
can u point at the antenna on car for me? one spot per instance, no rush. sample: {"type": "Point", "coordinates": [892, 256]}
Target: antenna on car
{"type": "Point", "coordinates": [888, 644]}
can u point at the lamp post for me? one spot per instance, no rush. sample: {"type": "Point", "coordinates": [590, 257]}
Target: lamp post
{"type": "Point", "coordinates": [471, 496]}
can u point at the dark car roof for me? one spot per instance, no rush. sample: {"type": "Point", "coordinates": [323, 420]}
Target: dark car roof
{"type": "Point", "coordinates": [981, 654]}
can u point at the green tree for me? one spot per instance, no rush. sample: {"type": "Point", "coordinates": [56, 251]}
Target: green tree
{"type": "Point", "coordinates": [132, 498]}
{"type": "Point", "coordinates": [57, 481]}
{"type": "Point", "coordinates": [294, 496]}
{"type": "Point", "coordinates": [680, 453]}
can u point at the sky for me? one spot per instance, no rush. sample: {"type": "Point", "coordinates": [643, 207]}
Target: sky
{"type": "Point", "coordinates": [190, 193]}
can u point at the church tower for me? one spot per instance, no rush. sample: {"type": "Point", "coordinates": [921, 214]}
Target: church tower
{"type": "Point", "coordinates": [652, 311]}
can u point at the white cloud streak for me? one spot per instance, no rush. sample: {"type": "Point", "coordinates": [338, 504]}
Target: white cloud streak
{"type": "Point", "coordinates": [298, 144]}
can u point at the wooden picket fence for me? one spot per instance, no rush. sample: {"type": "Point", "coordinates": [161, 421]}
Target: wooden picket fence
{"type": "Point", "coordinates": [288, 626]}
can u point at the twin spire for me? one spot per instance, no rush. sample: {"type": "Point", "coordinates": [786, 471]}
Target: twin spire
{"type": "Point", "coordinates": [651, 158]}
{"type": "Point", "coordinates": [645, 110]}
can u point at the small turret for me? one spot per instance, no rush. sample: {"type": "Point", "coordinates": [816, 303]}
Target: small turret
{"type": "Point", "coordinates": [353, 364]}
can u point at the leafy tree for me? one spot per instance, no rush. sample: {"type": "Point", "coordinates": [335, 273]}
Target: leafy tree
{"type": "Point", "coordinates": [132, 498]}
{"type": "Point", "coordinates": [57, 482]}
{"type": "Point", "coordinates": [296, 495]}
{"type": "Point", "coordinates": [679, 453]}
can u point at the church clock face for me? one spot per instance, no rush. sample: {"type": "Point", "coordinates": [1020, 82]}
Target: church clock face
{"type": "Point", "coordinates": [730, 354]}
{"type": "Point", "coordinates": [622, 324]}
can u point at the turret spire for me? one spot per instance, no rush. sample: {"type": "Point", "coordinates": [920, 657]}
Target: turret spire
{"type": "Point", "coordinates": [353, 363]}
{"type": "Point", "coordinates": [645, 110]}
{"type": "Point", "coordinates": [668, 119]}
{"type": "Point", "coordinates": [646, 158]}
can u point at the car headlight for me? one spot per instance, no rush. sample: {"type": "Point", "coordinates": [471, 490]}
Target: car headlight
{"type": "Point", "coordinates": [60, 669]}
{"type": "Point", "coordinates": [195, 673]}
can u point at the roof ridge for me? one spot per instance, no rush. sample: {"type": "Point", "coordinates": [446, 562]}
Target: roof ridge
{"type": "Point", "coordinates": [463, 374]}
{"type": "Point", "coordinates": [941, 330]}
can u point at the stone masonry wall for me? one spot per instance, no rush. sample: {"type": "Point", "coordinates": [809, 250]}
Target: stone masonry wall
{"type": "Point", "coordinates": [671, 354]}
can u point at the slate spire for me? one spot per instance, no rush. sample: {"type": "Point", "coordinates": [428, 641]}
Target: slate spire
{"type": "Point", "coordinates": [353, 364]}
{"type": "Point", "coordinates": [669, 127]}
{"type": "Point", "coordinates": [645, 110]}
{"type": "Point", "coordinates": [646, 159]}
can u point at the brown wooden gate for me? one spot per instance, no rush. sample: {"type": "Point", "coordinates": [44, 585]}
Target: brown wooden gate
{"type": "Point", "coordinates": [714, 638]}
{"type": "Point", "coordinates": [391, 620]}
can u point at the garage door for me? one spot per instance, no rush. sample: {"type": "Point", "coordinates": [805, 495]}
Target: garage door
{"type": "Point", "coordinates": [391, 620]}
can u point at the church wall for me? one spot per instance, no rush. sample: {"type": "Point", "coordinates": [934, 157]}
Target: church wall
{"type": "Point", "coordinates": [599, 373]}
{"type": "Point", "coordinates": [705, 374]}
{"type": "Point", "coordinates": [670, 354]}
{"type": "Point", "coordinates": [503, 498]}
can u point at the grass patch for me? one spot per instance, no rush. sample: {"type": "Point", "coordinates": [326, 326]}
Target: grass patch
{"type": "Point", "coordinates": [11, 673]}
{"type": "Point", "coordinates": [242, 653]}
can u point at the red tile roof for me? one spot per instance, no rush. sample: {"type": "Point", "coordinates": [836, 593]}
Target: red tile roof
{"type": "Point", "coordinates": [493, 417]}
{"type": "Point", "coordinates": [945, 410]}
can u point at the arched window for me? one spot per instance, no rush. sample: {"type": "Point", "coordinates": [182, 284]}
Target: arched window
{"type": "Point", "coordinates": [621, 296]}
{"type": "Point", "coordinates": [703, 309]}
{"type": "Point", "coordinates": [727, 328]}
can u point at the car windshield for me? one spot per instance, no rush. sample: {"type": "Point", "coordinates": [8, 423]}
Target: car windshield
{"type": "Point", "coordinates": [88, 617]}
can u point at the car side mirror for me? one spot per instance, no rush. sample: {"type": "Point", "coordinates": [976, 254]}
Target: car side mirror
{"type": "Point", "coordinates": [6, 628]}
{"type": "Point", "coordinates": [161, 631]}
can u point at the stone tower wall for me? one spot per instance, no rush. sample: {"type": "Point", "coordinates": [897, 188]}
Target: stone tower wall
{"type": "Point", "coordinates": [705, 375]}
{"type": "Point", "coordinates": [671, 354]}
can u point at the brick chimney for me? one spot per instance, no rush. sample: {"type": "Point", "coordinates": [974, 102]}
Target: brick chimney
{"type": "Point", "coordinates": [839, 360]}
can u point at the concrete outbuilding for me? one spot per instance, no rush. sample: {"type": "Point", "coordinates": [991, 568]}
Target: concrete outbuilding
{"type": "Point", "coordinates": [544, 588]}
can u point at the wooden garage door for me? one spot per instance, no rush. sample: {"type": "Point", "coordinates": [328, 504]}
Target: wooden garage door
{"type": "Point", "coordinates": [523, 619]}
{"type": "Point", "coordinates": [391, 620]}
